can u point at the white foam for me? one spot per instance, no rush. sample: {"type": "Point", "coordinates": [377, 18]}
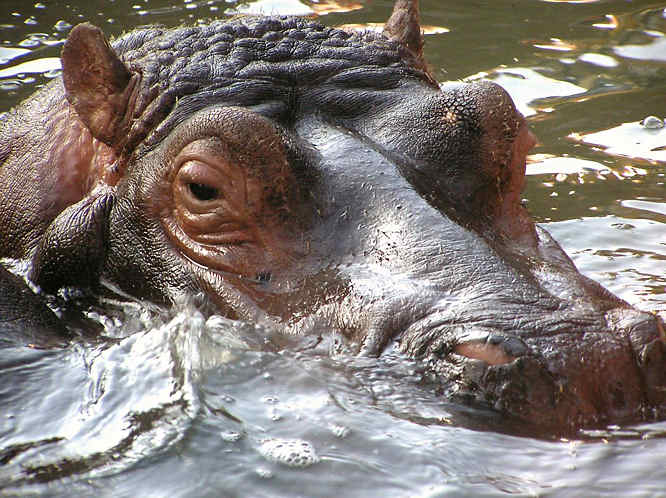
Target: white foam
{"type": "Point", "coordinates": [290, 452]}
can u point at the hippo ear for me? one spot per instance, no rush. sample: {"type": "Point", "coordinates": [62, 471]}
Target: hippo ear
{"type": "Point", "coordinates": [97, 83]}
{"type": "Point", "coordinates": [404, 27]}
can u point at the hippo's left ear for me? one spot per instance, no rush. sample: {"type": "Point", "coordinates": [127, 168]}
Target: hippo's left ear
{"type": "Point", "coordinates": [97, 83]}
{"type": "Point", "coordinates": [404, 26]}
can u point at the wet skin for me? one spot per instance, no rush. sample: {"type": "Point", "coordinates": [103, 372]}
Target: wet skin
{"type": "Point", "coordinates": [313, 180]}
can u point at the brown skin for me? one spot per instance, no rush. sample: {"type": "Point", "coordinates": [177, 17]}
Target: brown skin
{"type": "Point", "coordinates": [353, 197]}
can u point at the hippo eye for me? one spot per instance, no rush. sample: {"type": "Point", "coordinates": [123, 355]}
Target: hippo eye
{"type": "Point", "coordinates": [203, 192]}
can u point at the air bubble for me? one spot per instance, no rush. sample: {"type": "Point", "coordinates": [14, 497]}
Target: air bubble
{"type": "Point", "coordinates": [340, 431]}
{"type": "Point", "coordinates": [264, 473]}
{"type": "Point", "coordinates": [62, 26]}
{"type": "Point", "coordinates": [231, 436]}
{"type": "Point", "coordinates": [274, 414]}
{"type": "Point", "coordinates": [295, 453]}
{"type": "Point", "coordinates": [29, 43]}
{"type": "Point", "coordinates": [652, 123]}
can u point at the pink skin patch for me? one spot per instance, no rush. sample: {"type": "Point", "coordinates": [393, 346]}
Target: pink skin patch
{"type": "Point", "coordinates": [78, 161]}
{"type": "Point", "coordinates": [491, 354]}
{"type": "Point", "coordinates": [514, 220]}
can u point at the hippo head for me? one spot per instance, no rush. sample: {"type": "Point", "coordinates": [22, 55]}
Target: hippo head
{"type": "Point", "coordinates": [317, 179]}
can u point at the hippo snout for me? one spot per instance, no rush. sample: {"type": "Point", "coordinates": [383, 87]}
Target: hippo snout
{"type": "Point", "coordinates": [573, 378]}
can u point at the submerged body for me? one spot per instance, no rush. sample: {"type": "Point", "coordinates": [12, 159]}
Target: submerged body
{"type": "Point", "coordinates": [309, 178]}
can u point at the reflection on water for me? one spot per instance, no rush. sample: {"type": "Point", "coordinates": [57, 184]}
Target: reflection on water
{"type": "Point", "coordinates": [530, 89]}
{"type": "Point", "coordinates": [644, 139]}
{"type": "Point", "coordinates": [47, 66]}
{"type": "Point", "coordinates": [379, 26]}
{"type": "Point", "coordinates": [292, 7]}
{"type": "Point", "coordinates": [188, 407]}
{"type": "Point", "coordinates": [653, 51]}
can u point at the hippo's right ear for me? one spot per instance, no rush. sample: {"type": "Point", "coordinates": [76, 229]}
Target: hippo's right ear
{"type": "Point", "coordinates": [97, 83]}
{"type": "Point", "coordinates": [404, 26]}
{"type": "Point", "coordinates": [72, 250]}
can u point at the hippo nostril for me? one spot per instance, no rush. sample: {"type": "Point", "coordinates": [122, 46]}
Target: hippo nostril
{"type": "Point", "coordinates": [491, 354]}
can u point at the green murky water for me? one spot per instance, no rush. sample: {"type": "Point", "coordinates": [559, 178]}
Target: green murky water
{"type": "Point", "coordinates": [160, 414]}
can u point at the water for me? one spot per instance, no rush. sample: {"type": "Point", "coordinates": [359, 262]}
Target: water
{"type": "Point", "coordinates": [181, 406]}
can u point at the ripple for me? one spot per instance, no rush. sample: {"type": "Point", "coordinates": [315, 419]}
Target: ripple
{"type": "Point", "coordinates": [626, 254]}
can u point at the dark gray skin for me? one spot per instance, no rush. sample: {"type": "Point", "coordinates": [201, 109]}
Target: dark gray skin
{"type": "Point", "coordinates": [314, 179]}
{"type": "Point", "coordinates": [25, 318]}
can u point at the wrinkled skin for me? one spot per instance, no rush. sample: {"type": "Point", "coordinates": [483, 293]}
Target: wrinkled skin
{"type": "Point", "coordinates": [319, 180]}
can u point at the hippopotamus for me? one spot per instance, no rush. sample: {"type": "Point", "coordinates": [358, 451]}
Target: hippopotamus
{"type": "Point", "coordinates": [317, 181]}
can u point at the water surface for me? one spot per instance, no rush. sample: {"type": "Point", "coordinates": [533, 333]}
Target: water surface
{"type": "Point", "coordinates": [184, 406]}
